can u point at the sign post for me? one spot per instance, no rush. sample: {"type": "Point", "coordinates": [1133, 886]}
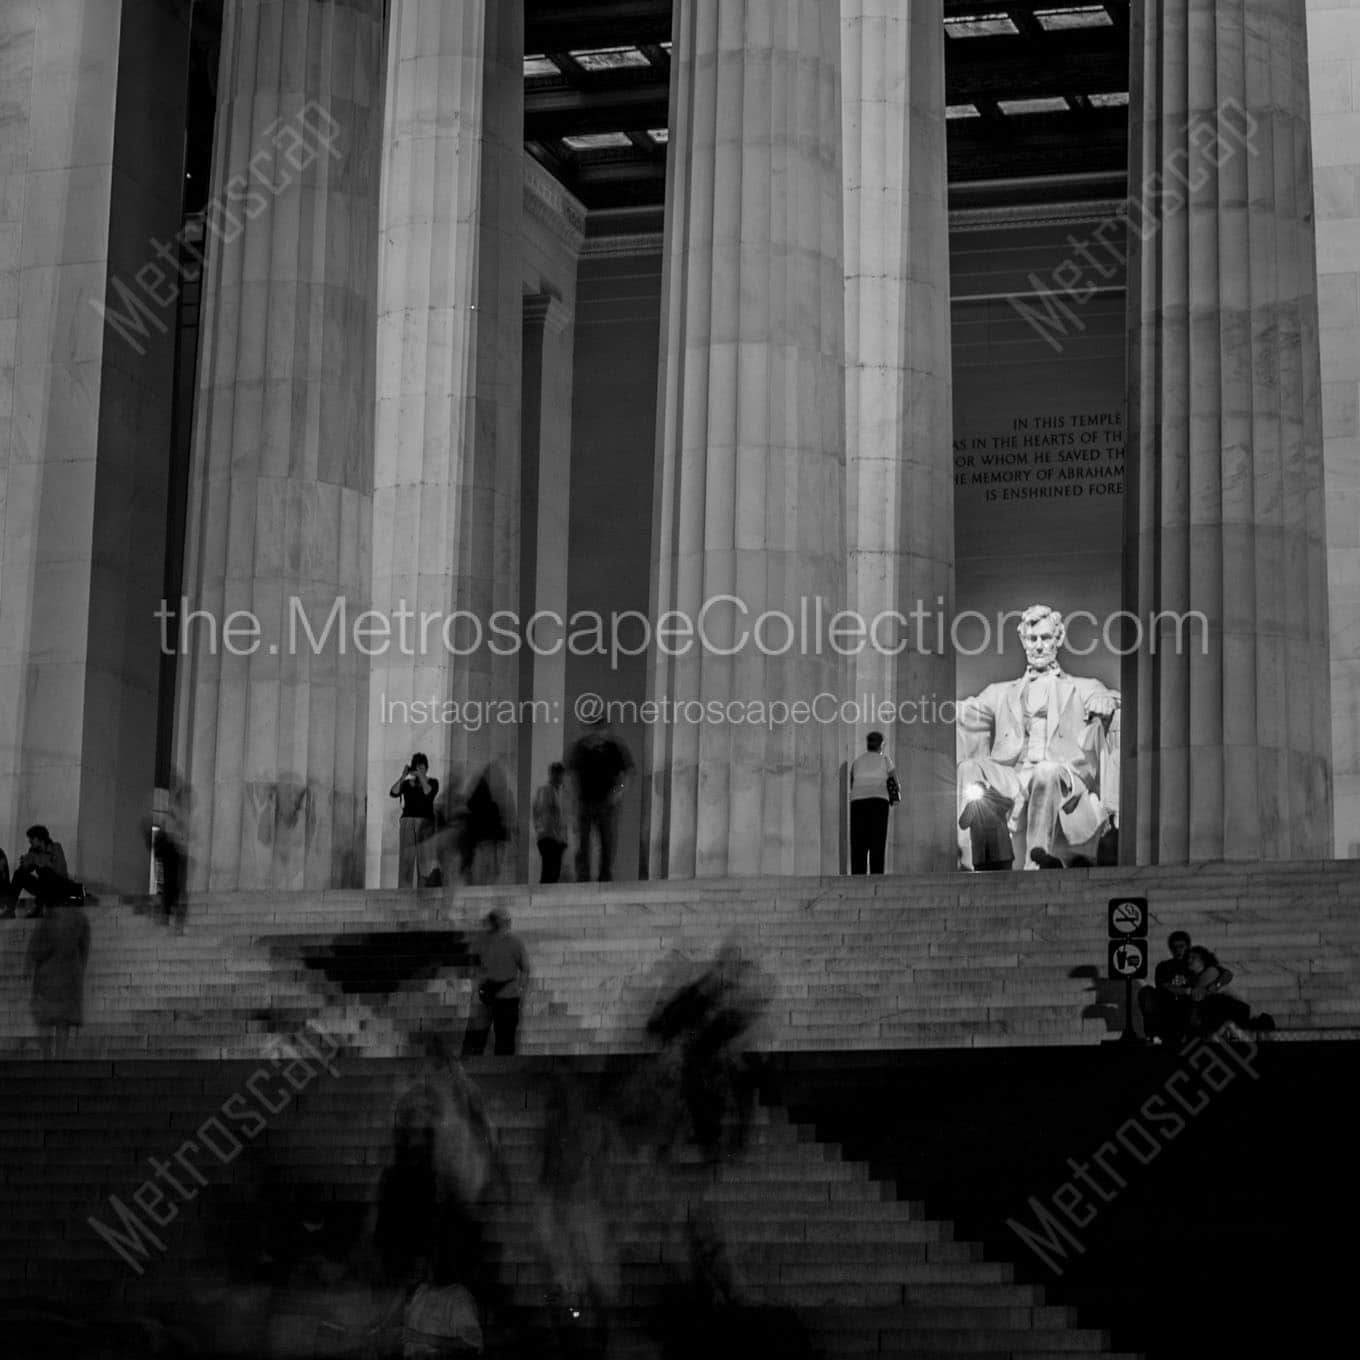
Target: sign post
{"type": "Point", "coordinates": [1126, 924]}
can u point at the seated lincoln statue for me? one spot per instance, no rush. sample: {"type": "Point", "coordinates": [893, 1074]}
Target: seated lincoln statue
{"type": "Point", "coordinates": [1047, 743]}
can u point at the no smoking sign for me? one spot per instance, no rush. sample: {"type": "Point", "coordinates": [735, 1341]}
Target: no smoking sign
{"type": "Point", "coordinates": [1128, 917]}
{"type": "Point", "coordinates": [1127, 922]}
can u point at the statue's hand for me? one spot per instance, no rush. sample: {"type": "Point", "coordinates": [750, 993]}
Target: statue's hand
{"type": "Point", "coordinates": [1101, 705]}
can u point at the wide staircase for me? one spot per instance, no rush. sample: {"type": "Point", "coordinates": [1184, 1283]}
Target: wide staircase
{"type": "Point", "coordinates": [957, 961]}
{"type": "Point", "coordinates": [801, 1234]}
{"type": "Point", "coordinates": [1211, 1186]}
{"type": "Point", "coordinates": [867, 1215]}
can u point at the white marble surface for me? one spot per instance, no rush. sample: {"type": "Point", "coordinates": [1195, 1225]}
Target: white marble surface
{"type": "Point", "coordinates": [548, 344]}
{"type": "Point", "coordinates": [1233, 743]}
{"type": "Point", "coordinates": [446, 489]}
{"type": "Point", "coordinates": [84, 420]}
{"type": "Point", "coordinates": [751, 459]}
{"type": "Point", "coordinates": [274, 744]}
{"type": "Point", "coordinates": [50, 350]}
{"type": "Point", "coordinates": [898, 403]}
{"type": "Point", "coordinates": [1334, 67]}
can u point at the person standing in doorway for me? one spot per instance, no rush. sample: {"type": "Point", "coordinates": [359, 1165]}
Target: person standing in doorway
{"type": "Point", "coordinates": [416, 857]}
{"type": "Point", "coordinates": [872, 783]}
{"type": "Point", "coordinates": [601, 765]}
{"type": "Point", "coordinates": [550, 827]}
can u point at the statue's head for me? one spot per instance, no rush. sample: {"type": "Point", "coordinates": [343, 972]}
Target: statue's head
{"type": "Point", "coordinates": [1042, 633]}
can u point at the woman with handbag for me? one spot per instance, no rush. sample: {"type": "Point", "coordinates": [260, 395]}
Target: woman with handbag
{"type": "Point", "coordinates": [873, 790]}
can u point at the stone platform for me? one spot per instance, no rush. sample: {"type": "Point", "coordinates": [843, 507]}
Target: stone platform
{"type": "Point", "coordinates": [937, 961]}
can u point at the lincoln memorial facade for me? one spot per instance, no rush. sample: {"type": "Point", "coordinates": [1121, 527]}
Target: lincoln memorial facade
{"type": "Point", "coordinates": [381, 376]}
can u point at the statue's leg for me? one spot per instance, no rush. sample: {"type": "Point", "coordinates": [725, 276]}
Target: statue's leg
{"type": "Point", "coordinates": [1048, 786]}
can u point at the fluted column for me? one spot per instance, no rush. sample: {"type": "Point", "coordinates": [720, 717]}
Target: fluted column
{"type": "Point", "coordinates": [751, 437]}
{"type": "Point", "coordinates": [91, 195]}
{"type": "Point", "coordinates": [273, 741]}
{"type": "Point", "coordinates": [1334, 62]}
{"type": "Point", "coordinates": [446, 485]}
{"type": "Point", "coordinates": [898, 416]}
{"type": "Point", "coordinates": [1225, 514]}
{"type": "Point", "coordinates": [546, 523]}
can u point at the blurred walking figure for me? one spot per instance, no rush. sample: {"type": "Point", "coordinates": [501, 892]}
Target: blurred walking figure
{"type": "Point", "coordinates": [416, 855]}
{"type": "Point", "coordinates": [600, 764]}
{"type": "Point", "coordinates": [550, 827]}
{"type": "Point", "coordinates": [57, 955]}
{"type": "Point", "coordinates": [701, 1025]}
{"type": "Point", "coordinates": [574, 1228]}
{"type": "Point", "coordinates": [168, 833]}
{"type": "Point", "coordinates": [489, 815]}
{"type": "Point", "coordinates": [503, 971]}
{"type": "Point", "coordinates": [431, 1204]}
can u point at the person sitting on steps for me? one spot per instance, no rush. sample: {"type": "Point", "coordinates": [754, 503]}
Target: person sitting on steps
{"type": "Point", "coordinates": [42, 872]}
{"type": "Point", "coordinates": [1211, 1006]}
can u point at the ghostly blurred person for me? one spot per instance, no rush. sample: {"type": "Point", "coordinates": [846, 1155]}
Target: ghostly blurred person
{"type": "Point", "coordinates": [702, 1025]}
{"type": "Point", "coordinates": [487, 826]}
{"type": "Point", "coordinates": [550, 825]}
{"type": "Point", "coordinates": [428, 1233]}
{"type": "Point", "coordinates": [168, 832]}
{"type": "Point", "coordinates": [57, 954]}
{"type": "Point", "coordinates": [600, 765]}
{"type": "Point", "coordinates": [574, 1225]}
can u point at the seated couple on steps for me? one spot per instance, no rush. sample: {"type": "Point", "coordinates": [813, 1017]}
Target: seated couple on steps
{"type": "Point", "coordinates": [1189, 997]}
{"type": "Point", "coordinates": [41, 872]}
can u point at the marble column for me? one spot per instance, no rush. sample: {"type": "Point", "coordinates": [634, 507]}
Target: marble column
{"type": "Point", "coordinates": [898, 403]}
{"type": "Point", "coordinates": [90, 200]}
{"type": "Point", "coordinates": [554, 233]}
{"type": "Point", "coordinates": [751, 444]}
{"type": "Point", "coordinates": [446, 482]}
{"type": "Point", "coordinates": [1334, 68]}
{"type": "Point", "coordinates": [545, 509]}
{"type": "Point", "coordinates": [272, 726]}
{"type": "Point", "coordinates": [1225, 512]}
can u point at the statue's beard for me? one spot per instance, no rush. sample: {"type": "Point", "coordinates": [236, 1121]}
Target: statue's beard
{"type": "Point", "coordinates": [1041, 661]}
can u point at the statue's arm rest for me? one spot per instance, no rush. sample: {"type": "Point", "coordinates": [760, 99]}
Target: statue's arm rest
{"type": "Point", "coordinates": [974, 728]}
